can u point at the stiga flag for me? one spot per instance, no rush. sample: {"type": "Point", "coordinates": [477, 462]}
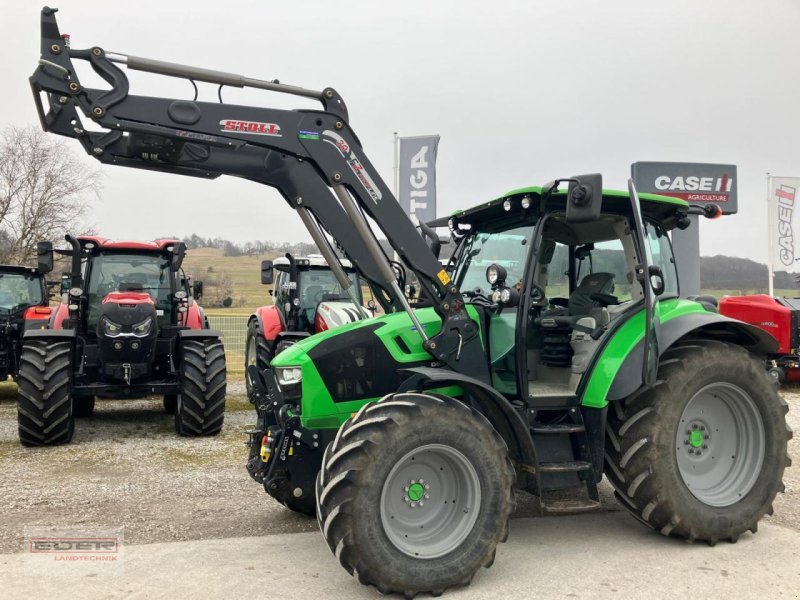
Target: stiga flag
{"type": "Point", "coordinates": [417, 176]}
{"type": "Point", "coordinates": [782, 200]}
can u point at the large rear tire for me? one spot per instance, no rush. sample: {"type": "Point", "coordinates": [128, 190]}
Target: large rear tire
{"type": "Point", "coordinates": [700, 455]}
{"type": "Point", "coordinates": [201, 403]}
{"type": "Point", "coordinates": [415, 493]}
{"type": "Point", "coordinates": [44, 403]}
{"type": "Point", "coordinates": [256, 351]}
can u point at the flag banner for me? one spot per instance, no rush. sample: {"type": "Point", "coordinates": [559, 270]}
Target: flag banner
{"type": "Point", "coordinates": [781, 202]}
{"type": "Point", "coordinates": [417, 176]}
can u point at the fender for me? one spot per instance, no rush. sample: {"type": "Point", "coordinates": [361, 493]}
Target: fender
{"type": "Point", "coordinates": [500, 412]}
{"type": "Point", "coordinates": [709, 325]}
{"type": "Point", "coordinates": [270, 321]}
{"type": "Point", "coordinates": [194, 316]}
{"type": "Point", "coordinates": [56, 334]}
{"type": "Point", "coordinates": [60, 314]}
{"type": "Point", "coordinates": [199, 334]}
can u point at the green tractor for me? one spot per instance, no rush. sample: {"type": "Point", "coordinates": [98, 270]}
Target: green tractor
{"type": "Point", "coordinates": [556, 350]}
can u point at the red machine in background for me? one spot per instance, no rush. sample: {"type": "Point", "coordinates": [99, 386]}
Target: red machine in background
{"type": "Point", "coordinates": [780, 317]}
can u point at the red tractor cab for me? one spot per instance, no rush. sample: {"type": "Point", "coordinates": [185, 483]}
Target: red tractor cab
{"type": "Point", "coordinates": [307, 299]}
{"type": "Point", "coordinates": [780, 317]}
{"type": "Point", "coordinates": [127, 327]}
{"type": "Point", "coordinates": [23, 306]}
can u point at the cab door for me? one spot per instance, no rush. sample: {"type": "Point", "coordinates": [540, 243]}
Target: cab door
{"type": "Point", "coordinates": [652, 282]}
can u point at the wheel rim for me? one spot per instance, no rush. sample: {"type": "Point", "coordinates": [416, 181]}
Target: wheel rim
{"type": "Point", "coordinates": [250, 352]}
{"type": "Point", "coordinates": [430, 501]}
{"type": "Point", "coordinates": [720, 444]}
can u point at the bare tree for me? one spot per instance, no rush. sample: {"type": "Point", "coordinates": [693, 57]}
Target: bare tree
{"type": "Point", "coordinates": [44, 191]}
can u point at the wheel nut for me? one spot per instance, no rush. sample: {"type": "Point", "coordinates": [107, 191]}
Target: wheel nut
{"type": "Point", "coordinates": [705, 447]}
{"type": "Point", "coordinates": [413, 505]}
{"type": "Point", "coordinates": [421, 503]}
{"type": "Point", "coordinates": [688, 432]}
{"type": "Point", "coordinates": [686, 442]}
{"type": "Point", "coordinates": [405, 498]}
{"type": "Point", "coordinates": [702, 427]}
{"type": "Point", "coordinates": [427, 497]}
{"type": "Point", "coordinates": [427, 486]}
{"type": "Point", "coordinates": [694, 425]}
{"type": "Point", "coordinates": [405, 489]}
{"type": "Point", "coordinates": [706, 437]}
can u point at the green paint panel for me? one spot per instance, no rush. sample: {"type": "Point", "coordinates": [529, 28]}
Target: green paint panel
{"type": "Point", "coordinates": [623, 343]}
{"type": "Point", "coordinates": [318, 410]}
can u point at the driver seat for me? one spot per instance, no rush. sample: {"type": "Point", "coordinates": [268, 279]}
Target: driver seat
{"type": "Point", "coordinates": [581, 302]}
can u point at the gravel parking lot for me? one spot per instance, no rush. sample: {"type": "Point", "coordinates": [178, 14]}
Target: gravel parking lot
{"type": "Point", "coordinates": [126, 467]}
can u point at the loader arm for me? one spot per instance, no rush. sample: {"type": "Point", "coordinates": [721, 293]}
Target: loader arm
{"type": "Point", "coordinates": [313, 158]}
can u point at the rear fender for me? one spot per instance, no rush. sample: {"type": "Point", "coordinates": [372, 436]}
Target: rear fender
{"type": "Point", "coordinates": [494, 406]}
{"type": "Point", "coordinates": [270, 321]}
{"type": "Point", "coordinates": [698, 325]}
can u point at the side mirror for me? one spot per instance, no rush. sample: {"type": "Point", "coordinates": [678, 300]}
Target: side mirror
{"type": "Point", "coordinates": [44, 256]}
{"type": "Point", "coordinates": [197, 289]}
{"type": "Point", "coordinates": [176, 260]}
{"type": "Point", "coordinates": [66, 284]}
{"type": "Point", "coordinates": [266, 272]}
{"type": "Point", "coordinates": [656, 279]}
{"type": "Point", "coordinates": [585, 198]}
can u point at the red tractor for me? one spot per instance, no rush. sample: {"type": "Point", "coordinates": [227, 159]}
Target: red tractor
{"type": "Point", "coordinates": [127, 327]}
{"type": "Point", "coordinates": [307, 299]}
{"type": "Point", "coordinates": [780, 317]}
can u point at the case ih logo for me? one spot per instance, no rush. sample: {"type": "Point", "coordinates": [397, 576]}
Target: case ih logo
{"type": "Point", "coordinates": [785, 195]}
{"type": "Point", "coordinates": [254, 127]}
{"type": "Point", "coordinates": [694, 188]}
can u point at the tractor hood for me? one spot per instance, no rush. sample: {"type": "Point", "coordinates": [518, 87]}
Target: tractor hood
{"type": "Point", "coordinates": [358, 361]}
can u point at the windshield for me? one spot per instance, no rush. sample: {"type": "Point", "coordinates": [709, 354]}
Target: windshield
{"type": "Point", "coordinates": [320, 285]}
{"type": "Point", "coordinates": [508, 249]}
{"type": "Point", "coordinates": [19, 291]}
{"type": "Point", "coordinates": [148, 273]}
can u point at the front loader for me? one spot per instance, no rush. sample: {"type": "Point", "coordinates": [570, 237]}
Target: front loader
{"type": "Point", "coordinates": [411, 430]}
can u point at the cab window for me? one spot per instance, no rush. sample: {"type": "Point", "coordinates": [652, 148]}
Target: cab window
{"type": "Point", "coordinates": [661, 250]}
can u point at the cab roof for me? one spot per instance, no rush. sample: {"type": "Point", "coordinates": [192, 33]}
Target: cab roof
{"type": "Point", "coordinates": [32, 271]}
{"type": "Point", "coordinates": [663, 209]}
{"type": "Point", "coordinates": [159, 245]}
{"type": "Point", "coordinates": [312, 261]}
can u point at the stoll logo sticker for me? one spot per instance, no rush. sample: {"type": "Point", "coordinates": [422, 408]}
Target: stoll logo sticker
{"type": "Point", "coordinates": [73, 551]}
{"type": "Point", "coordinates": [254, 127]}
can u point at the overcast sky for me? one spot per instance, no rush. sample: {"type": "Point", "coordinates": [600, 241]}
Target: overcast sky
{"type": "Point", "coordinates": [520, 92]}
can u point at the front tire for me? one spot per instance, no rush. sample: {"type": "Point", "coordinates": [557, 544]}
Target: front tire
{"type": "Point", "coordinates": [415, 493]}
{"type": "Point", "coordinates": [200, 410]}
{"type": "Point", "coordinates": [44, 403]}
{"type": "Point", "coordinates": [701, 455]}
{"type": "Point", "coordinates": [256, 351]}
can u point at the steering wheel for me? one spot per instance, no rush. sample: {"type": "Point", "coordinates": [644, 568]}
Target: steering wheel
{"type": "Point", "coordinates": [538, 296]}
{"type": "Point", "coordinates": [318, 296]}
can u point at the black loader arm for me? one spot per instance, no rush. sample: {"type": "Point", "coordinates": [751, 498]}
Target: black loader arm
{"type": "Point", "coordinates": [312, 157]}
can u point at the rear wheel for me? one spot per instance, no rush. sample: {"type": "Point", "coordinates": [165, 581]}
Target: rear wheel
{"type": "Point", "coordinates": [83, 407]}
{"type": "Point", "coordinates": [200, 407]}
{"type": "Point", "coordinates": [701, 455]}
{"type": "Point", "coordinates": [44, 403]}
{"type": "Point", "coordinates": [256, 351]}
{"type": "Point", "coordinates": [415, 493]}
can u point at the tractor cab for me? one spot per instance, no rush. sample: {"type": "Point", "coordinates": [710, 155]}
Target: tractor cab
{"type": "Point", "coordinates": [552, 288]}
{"type": "Point", "coordinates": [307, 294]}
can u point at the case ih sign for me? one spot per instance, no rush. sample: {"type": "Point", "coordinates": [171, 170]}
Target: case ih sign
{"type": "Point", "coordinates": [697, 183]}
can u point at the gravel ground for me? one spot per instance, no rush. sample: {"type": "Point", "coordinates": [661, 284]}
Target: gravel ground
{"type": "Point", "coordinates": [126, 467]}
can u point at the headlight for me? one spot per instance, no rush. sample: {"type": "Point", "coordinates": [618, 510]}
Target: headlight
{"type": "Point", "coordinates": [505, 295]}
{"type": "Point", "coordinates": [495, 275]}
{"type": "Point", "coordinates": [289, 375]}
{"type": "Point", "coordinates": [110, 328]}
{"type": "Point", "coordinates": [143, 329]}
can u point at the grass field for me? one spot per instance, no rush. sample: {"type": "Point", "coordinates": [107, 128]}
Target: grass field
{"type": "Point", "coordinates": [244, 271]}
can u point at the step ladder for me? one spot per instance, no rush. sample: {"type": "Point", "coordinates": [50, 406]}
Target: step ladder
{"type": "Point", "coordinates": [570, 425]}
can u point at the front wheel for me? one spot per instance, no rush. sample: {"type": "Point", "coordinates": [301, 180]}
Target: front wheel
{"type": "Point", "coordinates": [256, 352]}
{"type": "Point", "coordinates": [415, 493]}
{"type": "Point", "coordinates": [200, 408]}
{"type": "Point", "coordinates": [701, 455]}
